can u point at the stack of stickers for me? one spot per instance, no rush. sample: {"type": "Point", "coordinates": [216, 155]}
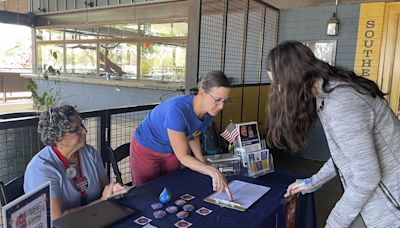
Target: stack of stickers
{"type": "Point", "coordinates": [182, 204]}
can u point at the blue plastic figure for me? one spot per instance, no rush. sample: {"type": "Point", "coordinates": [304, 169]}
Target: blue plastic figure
{"type": "Point", "coordinates": [165, 196]}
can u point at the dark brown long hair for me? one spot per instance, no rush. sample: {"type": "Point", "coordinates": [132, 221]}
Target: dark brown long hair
{"type": "Point", "coordinates": [291, 111]}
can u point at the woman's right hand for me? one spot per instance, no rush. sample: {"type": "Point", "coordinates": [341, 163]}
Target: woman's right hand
{"type": "Point", "coordinates": [219, 182]}
{"type": "Point", "coordinates": [300, 185]}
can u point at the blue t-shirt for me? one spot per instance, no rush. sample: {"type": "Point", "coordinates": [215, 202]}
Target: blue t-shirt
{"type": "Point", "coordinates": [46, 166]}
{"type": "Point", "coordinates": [177, 114]}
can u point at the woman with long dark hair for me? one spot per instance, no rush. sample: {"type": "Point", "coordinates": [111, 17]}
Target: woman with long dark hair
{"type": "Point", "coordinates": [362, 131]}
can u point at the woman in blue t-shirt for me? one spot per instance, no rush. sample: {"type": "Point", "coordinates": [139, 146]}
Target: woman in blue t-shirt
{"type": "Point", "coordinates": [75, 170]}
{"type": "Point", "coordinates": [162, 141]}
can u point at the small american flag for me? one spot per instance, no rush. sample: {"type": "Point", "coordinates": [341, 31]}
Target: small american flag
{"type": "Point", "coordinates": [231, 133]}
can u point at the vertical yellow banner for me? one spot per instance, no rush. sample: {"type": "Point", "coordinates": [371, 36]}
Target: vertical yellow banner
{"type": "Point", "coordinates": [369, 39]}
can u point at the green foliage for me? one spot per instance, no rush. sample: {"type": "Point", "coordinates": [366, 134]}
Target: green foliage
{"type": "Point", "coordinates": [47, 98]}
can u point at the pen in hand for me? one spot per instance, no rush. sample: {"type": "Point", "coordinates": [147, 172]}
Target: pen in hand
{"type": "Point", "coordinates": [297, 187]}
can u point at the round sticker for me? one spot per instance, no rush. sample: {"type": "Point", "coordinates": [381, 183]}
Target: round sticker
{"type": "Point", "coordinates": [71, 172]}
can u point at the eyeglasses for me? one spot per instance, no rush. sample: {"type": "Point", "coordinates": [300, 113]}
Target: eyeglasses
{"type": "Point", "coordinates": [78, 130]}
{"type": "Point", "coordinates": [218, 101]}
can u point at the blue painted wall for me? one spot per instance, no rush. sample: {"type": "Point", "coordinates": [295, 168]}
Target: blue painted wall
{"type": "Point", "coordinates": [310, 24]}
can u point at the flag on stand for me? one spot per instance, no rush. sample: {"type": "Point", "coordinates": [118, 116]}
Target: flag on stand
{"type": "Point", "coordinates": [231, 133]}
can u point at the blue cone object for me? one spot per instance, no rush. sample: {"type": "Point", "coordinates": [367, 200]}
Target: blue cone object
{"type": "Point", "coordinates": [165, 196]}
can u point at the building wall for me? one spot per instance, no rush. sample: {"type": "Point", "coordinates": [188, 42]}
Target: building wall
{"type": "Point", "coordinates": [18, 6]}
{"type": "Point", "coordinates": [96, 97]}
{"type": "Point", "coordinates": [310, 24]}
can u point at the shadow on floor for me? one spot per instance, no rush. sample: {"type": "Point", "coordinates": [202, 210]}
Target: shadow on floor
{"type": "Point", "coordinates": [326, 197]}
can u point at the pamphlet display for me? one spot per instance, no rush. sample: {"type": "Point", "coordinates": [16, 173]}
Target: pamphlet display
{"type": "Point", "coordinates": [249, 137]}
{"type": "Point", "coordinates": [251, 149]}
{"type": "Point", "coordinates": [259, 163]}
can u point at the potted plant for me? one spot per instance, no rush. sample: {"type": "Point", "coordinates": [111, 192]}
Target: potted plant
{"type": "Point", "coordinates": [48, 98]}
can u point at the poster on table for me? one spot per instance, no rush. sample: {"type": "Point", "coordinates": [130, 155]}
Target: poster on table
{"type": "Point", "coordinates": [31, 210]}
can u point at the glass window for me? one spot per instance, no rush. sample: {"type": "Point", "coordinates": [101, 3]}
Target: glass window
{"type": "Point", "coordinates": [118, 59]}
{"type": "Point", "coordinates": [163, 62]}
{"type": "Point", "coordinates": [46, 57]}
{"type": "Point", "coordinates": [164, 29]}
{"type": "Point", "coordinates": [81, 59]}
{"type": "Point", "coordinates": [16, 48]}
{"type": "Point", "coordinates": [115, 50]}
{"type": "Point", "coordinates": [118, 31]}
{"type": "Point", "coordinates": [49, 34]}
{"type": "Point", "coordinates": [81, 33]}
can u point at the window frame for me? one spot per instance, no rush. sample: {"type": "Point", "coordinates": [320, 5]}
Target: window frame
{"type": "Point", "coordinates": [139, 40]}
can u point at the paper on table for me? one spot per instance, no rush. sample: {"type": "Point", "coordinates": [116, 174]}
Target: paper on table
{"type": "Point", "coordinates": [243, 193]}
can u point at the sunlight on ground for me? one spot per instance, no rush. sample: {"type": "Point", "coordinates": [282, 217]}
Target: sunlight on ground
{"type": "Point", "coordinates": [16, 106]}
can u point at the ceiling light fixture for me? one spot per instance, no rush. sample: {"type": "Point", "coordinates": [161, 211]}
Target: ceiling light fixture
{"type": "Point", "coordinates": [333, 24]}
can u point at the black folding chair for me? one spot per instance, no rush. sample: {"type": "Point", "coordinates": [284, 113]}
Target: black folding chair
{"type": "Point", "coordinates": [12, 190]}
{"type": "Point", "coordinates": [115, 156]}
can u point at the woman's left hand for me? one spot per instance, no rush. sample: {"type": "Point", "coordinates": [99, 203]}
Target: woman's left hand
{"type": "Point", "coordinates": [117, 188]}
{"type": "Point", "coordinates": [107, 192]}
{"type": "Point", "coordinates": [112, 189]}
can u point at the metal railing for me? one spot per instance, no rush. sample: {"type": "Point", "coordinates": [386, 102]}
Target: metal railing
{"type": "Point", "coordinates": [12, 86]}
{"type": "Point", "coordinates": [19, 140]}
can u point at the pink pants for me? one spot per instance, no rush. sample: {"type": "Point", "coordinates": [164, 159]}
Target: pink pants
{"type": "Point", "coordinates": [147, 165]}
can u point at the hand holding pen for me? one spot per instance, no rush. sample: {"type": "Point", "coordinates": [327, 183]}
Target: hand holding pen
{"type": "Point", "coordinates": [300, 185]}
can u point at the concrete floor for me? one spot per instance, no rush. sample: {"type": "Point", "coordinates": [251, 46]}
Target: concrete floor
{"type": "Point", "coordinates": [326, 197]}
{"type": "Point", "coordinates": [16, 106]}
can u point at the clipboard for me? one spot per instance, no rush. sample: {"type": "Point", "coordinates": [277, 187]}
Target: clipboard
{"type": "Point", "coordinates": [244, 195]}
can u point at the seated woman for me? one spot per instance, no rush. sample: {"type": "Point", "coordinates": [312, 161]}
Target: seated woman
{"type": "Point", "coordinates": [75, 170]}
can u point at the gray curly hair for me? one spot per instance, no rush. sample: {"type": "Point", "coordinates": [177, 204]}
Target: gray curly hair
{"type": "Point", "coordinates": [54, 123]}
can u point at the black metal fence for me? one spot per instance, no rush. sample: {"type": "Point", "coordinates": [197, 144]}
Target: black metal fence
{"type": "Point", "coordinates": [19, 140]}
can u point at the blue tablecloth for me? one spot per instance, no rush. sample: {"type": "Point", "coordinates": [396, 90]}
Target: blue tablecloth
{"type": "Point", "coordinates": [268, 211]}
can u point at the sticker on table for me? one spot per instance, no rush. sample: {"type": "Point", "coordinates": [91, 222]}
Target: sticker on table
{"type": "Point", "coordinates": [188, 207]}
{"type": "Point", "coordinates": [183, 223]}
{"type": "Point", "coordinates": [171, 209]}
{"type": "Point", "coordinates": [203, 211]}
{"type": "Point", "coordinates": [180, 202]}
{"type": "Point", "coordinates": [142, 220]}
{"type": "Point", "coordinates": [159, 214]}
{"type": "Point", "coordinates": [156, 206]}
{"type": "Point", "coordinates": [182, 214]}
{"type": "Point", "coordinates": [187, 197]}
